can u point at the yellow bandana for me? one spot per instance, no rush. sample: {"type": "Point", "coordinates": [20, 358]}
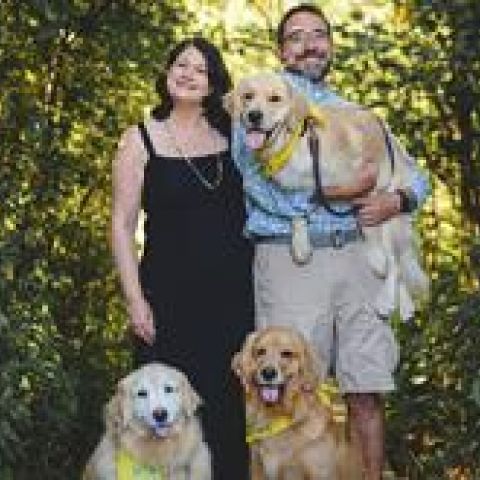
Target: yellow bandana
{"type": "Point", "coordinates": [129, 469]}
{"type": "Point", "coordinates": [279, 159]}
{"type": "Point", "coordinates": [327, 395]}
{"type": "Point", "coordinates": [276, 426]}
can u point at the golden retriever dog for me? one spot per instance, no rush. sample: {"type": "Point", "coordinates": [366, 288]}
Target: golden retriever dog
{"type": "Point", "coordinates": [352, 145]}
{"type": "Point", "coordinates": [151, 429]}
{"type": "Point", "coordinates": [294, 435]}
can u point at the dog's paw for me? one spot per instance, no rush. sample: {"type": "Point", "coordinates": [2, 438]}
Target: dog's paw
{"type": "Point", "coordinates": [406, 305]}
{"type": "Point", "coordinates": [301, 247]}
{"type": "Point", "coordinates": [384, 306]}
{"type": "Point", "coordinates": [416, 280]}
{"type": "Point", "coordinates": [385, 302]}
{"type": "Point", "coordinates": [378, 261]}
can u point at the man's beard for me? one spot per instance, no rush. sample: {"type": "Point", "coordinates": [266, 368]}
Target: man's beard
{"type": "Point", "coordinates": [317, 71]}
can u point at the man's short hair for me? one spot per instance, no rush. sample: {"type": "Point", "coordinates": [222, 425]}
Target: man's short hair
{"type": "Point", "coordinates": [303, 7]}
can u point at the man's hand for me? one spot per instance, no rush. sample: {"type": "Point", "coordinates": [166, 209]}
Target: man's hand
{"type": "Point", "coordinates": [377, 208]}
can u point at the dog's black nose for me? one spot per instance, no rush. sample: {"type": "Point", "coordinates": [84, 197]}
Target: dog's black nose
{"type": "Point", "coordinates": [269, 374]}
{"type": "Point", "coordinates": [160, 415]}
{"type": "Point", "coordinates": [255, 116]}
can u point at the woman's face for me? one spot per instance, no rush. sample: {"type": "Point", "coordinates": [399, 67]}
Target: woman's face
{"type": "Point", "coordinates": [187, 78]}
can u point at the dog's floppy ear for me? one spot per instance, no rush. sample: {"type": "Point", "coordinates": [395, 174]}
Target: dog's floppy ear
{"type": "Point", "coordinates": [191, 399]}
{"type": "Point", "coordinates": [231, 103]}
{"type": "Point", "coordinates": [300, 105]}
{"type": "Point", "coordinates": [242, 361]}
{"type": "Point", "coordinates": [118, 410]}
{"type": "Point", "coordinates": [299, 108]}
{"type": "Point", "coordinates": [228, 101]}
{"type": "Point", "coordinates": [314, 368]}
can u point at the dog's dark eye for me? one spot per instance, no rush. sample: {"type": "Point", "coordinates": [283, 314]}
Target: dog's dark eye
{"type": "Point", "coordinates": [260, 352]}
{"type": "Point", "coordinates": [286, 354]}
{"type": "Point", "coordinates": [274, 98]}
{"type": "Point", "coordinates": [142, 393]}
{"type": "Point", "coordinates": [248, 96]}
{"type": "Point", "coordinates": [168, 389]}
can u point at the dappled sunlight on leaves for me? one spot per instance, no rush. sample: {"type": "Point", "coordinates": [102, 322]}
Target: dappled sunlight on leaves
{"type": "Point", "coordinates": [75, 74]}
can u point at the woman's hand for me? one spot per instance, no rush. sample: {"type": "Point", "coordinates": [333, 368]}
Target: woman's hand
{"type": "Point", "coordinates": [141, 320]}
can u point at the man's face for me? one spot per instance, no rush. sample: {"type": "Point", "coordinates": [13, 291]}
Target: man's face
{"type": "Point", "coordinates": [306, 45]}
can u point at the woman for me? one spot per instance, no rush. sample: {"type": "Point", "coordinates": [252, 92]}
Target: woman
{"type": "Point", "coordinates": [190, 301]}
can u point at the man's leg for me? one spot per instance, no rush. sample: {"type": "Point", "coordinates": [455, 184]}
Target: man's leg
{"type": "Point", "coordinates": [367, 355]}
{"type": "Point", "coordinates": [293, 295]}
{"type": "Point", "coordinates": [367, 431]}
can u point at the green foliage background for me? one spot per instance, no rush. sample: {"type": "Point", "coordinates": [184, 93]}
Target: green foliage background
{"type": "Point", "coordinates": [75, 73]}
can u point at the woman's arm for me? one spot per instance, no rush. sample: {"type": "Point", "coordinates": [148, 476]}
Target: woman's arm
{"type": "Point", "coordinates": [128, 169]}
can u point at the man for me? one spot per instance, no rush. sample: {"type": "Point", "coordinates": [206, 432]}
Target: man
{"type": "Point", "coordinates": [331, 296]}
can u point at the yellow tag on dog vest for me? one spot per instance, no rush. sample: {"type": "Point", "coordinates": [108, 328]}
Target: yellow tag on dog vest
{"type": "Point", "coordinates": [129, 469]}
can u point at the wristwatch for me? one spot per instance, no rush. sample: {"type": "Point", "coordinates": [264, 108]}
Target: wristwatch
{"type": "Point", "coordinates": [408, 200]}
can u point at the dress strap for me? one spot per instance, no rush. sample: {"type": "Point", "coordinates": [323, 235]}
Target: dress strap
{"type": "Point", "coordinates": [147, 141]}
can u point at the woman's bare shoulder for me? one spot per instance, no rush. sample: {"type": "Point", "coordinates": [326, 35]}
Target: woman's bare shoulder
{"type": "Point", "coordinates": [131, 146]}
{"type": "Point", "coordinates": [130, 137]}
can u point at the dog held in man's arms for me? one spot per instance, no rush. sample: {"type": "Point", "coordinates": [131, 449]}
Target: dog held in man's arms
{"type": "Point", "coordinates": [353, 159]}
{"type": "Point", "coordinates": [151, 430]}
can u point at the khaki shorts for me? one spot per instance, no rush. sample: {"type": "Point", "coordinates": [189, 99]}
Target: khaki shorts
{"type": "Point", "coordinates": [330, 301]}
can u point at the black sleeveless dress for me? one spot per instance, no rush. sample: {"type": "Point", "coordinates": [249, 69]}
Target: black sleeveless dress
{"type": "Point", "coordinates": [196, 274]}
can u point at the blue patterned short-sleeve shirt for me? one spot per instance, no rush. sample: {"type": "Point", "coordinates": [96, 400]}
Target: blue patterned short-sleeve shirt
{"type": "Point", "coordinates": [271, 208]}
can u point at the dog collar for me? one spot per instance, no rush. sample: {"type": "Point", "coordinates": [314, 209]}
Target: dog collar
{"type": "Point", "coordinates": [279, 159]}
{"type": "Point", "coordinates": [128, 468]}
{"type": "Point", "coordinates": [326, 394]}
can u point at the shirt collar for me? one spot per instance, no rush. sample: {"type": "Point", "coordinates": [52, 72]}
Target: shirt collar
{"type": "Point", "coordinates": [313, 90]}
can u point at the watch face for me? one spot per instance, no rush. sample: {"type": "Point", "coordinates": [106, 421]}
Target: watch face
{"type": "Point", "coordinates": [408, 201]}
{"type": "Point", "coordinates": [404, 200]}
{"type": "Point", "coordinates": [413, 201]}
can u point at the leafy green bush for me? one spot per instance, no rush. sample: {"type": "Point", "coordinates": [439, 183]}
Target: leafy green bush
{"type": "Point", "coordinates": [434, 417]}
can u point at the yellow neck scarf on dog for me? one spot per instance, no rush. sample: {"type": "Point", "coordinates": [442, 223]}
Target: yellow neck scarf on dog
{"type": "Point", "coordinates": [129, 469]}
{"type": "Point", "coordinates": [275, 427]}
{"type": "Point", "coordinates": [327, 395]}
{"type": "Point", "coordinates": [280, 158]}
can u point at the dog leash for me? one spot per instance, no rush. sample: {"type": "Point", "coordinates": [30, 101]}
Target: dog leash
{"type": "Point", "coordinates": [319, 197]}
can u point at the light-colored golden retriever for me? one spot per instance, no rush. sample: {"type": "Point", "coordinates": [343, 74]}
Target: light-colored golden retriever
{"type": "Point", "coordinates": [294, 435]}
{"type": "Point", "coordinates": [151, 425]}
{"type": "Point", "coordinates": [352, 146]}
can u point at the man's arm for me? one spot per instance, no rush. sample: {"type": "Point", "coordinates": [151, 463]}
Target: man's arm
{"type": "Point", "coordinates": [379, 207]}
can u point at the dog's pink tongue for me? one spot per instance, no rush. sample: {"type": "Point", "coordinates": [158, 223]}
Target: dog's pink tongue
{"type": "Point", "coordinates": [255, 139]}
{"type": "Point", "coordinates": [270, 394]}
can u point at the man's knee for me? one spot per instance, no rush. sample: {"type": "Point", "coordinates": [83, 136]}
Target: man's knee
{"type": "Point", "coordinates": [364, 406]}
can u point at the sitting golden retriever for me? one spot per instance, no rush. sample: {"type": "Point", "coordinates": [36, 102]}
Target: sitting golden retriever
{"type": "Point", "coordinates": [151, 430]}
{"type": "Point", "coordinates": [292, 434]}
{"type": "Point", "coordinates": [352, 158]}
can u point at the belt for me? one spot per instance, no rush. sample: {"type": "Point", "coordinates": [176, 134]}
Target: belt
{"type": "Point", "coordinates": [335, 239]}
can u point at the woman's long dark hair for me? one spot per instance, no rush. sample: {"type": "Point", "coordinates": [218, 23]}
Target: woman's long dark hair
{"type": "Point", "coordinates": [218, 80]}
